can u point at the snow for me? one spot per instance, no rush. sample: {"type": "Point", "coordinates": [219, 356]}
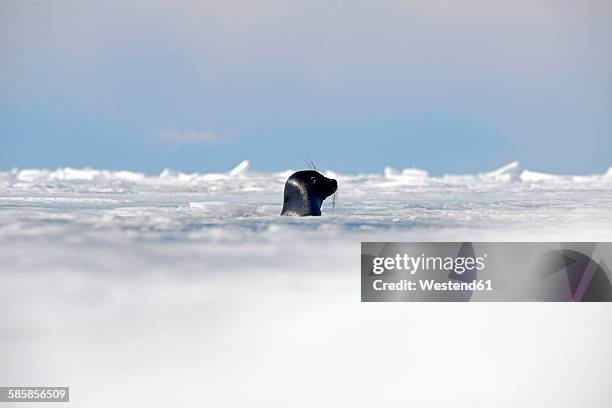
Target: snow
{"type": "Point", "coordinates": [184, 289]}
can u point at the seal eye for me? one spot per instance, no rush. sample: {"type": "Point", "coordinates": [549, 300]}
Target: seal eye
{"type": "Point", "coordinates": [313, 180]}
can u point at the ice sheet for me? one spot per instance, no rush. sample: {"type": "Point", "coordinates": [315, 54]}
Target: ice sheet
{"type": "Point", "coordinates": [189, 289]}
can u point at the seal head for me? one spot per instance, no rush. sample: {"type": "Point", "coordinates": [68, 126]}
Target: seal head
{"type": "Point", "coordinates": [305, 191]}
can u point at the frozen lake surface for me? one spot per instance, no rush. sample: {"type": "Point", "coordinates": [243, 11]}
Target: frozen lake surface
{"type": "Point", "coordinates": [184, 289]}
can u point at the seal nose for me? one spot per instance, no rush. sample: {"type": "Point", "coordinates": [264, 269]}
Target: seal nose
{"type": "Point", "coordinates": [334, 184]}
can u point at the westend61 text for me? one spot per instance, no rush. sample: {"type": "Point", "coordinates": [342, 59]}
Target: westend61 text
{"type": "Point", "coordinates": [431, 285]}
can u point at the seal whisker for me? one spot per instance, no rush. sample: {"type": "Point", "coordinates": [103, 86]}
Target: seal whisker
{"type": "Point", "coordinates": [334, 199]}
{"type": "Point", "coordinates": [313, 165]}
{"type": "Point", "coordinates": [306, 162]}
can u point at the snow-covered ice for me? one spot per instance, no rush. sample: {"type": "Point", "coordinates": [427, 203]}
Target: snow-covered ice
{"type": "Point", "coordinates": [189, 289]}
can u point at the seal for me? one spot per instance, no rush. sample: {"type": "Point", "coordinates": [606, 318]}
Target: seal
{"type": "Point", "coordinates": [305, 191]}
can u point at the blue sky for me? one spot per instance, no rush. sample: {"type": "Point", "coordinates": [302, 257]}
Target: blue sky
{"type": "Point", "coordinates": [451, 87]}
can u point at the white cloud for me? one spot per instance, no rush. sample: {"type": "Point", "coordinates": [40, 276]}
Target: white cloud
{"type": "Point", "coordinates": [208, 136]}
